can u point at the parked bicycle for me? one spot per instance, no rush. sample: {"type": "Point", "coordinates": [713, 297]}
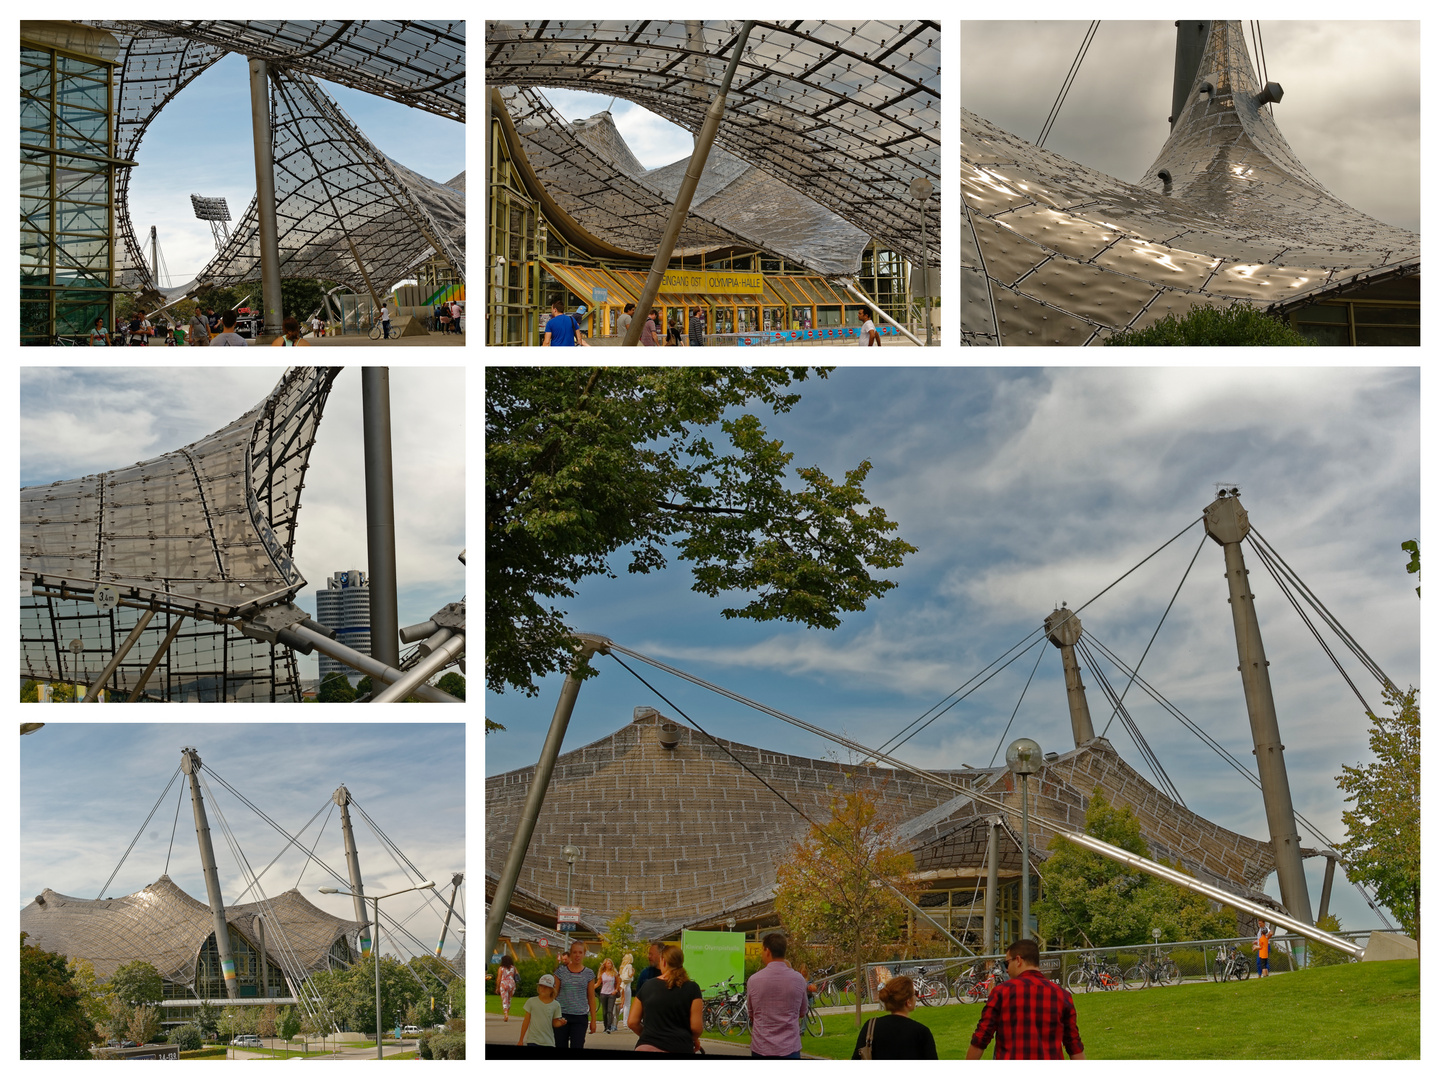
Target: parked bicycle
{"type": "Point", "coordinates": [813, 1024]}
{"type": "Point", "coordinates": [1158, 970]}
{"type": "Point", "coordinates": [975, 983]}
{"type": "Point", "coordinates": [1094, 975]}
{"type": "Point", "coordinates": [720, 1012]}
{"type": "Point", "coordinates": [833, 989]}
{"type": "Point", "coordinates": [1230, 963]}
{"type": "Point", "coordinates": [929, 990]}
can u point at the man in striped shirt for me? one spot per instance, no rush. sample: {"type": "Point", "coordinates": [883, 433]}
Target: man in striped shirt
{"type": "Point", "coordinates": [577, 999]}
{"type": "Point", "coordinates": [1028, 1016]}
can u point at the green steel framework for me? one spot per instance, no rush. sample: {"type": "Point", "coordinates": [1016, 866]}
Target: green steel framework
{"type": "Point", "coordinates": [67, 192]}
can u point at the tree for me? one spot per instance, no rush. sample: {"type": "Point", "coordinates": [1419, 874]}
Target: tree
{"type": "Point", "coordinates": [92, 993]}
{"type": "Point", "coordinates": [1088, 898]}
{"type": "Point", "coordinates": [1382, 848]}
{"type": "Point", "coordinates": [1413, 566]}
{"type": "Point", "coordinates": [336, 687]}
{"type": "Point", "coordinates": [144, 1023]}
{"type": "Point", "coordinates": [582, 462]}
{"type": "Point", "coordinates": [137, 983]}
{"type": "Point", "coordinates": [1211, 325]}
{"type": "Point", "coordinates": [1182, 915]}
{"type": "Point", "coordinates": [187, 1037]}
{"type": "Point", "coordinates": [265, 1028]}
{"type": "Point", "coordinates": [837, 886]}
{"type": "Point", "coordinates": [52, 1016]}
{"type": "Point", "coordinates": [621, 937]}
{"type": "Point", "coordinates": [453, 683]}
{"type": "Point", "coordinates": [207, 1017]}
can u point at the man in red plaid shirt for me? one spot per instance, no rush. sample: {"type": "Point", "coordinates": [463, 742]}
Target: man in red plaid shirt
{"type": "Point", "coordinates": [1028, 1016]}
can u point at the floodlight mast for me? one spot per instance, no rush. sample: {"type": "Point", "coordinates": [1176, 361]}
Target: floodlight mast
{"type": "Point", "coordinates": [190, 763]}
{"type": "Point", "coordinates": [271, 304]}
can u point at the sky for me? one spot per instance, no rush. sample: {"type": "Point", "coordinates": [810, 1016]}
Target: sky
{"type": "Point", "coordinates": [654, 142]}
{"type": "Point", "coordinates": [1351, 109]}
{"type": "Point", "coordinates": [77, 421]}
{"type": "Point", "coordinates": [85, 790]}
{"type": "Point", "coordinates": [201, 143]}
{"type": "Point", "coordinates": [1026, 487]}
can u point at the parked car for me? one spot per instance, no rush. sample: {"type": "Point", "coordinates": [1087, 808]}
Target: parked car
{"type": "Point", "coordinates": [246, 1040]}
{"type": "Point", "coordinates": [411, 1029]}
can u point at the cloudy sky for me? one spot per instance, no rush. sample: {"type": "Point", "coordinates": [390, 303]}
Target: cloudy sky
{"type": "Point", "coordinates": [1351, 109]}
{"type": "Point", "coordinates": [201, 144]}
{"type": "Point", "coordinates": [654, 142]}
{"type": "Point", "coordinates": [85, 790]}
{"type": "Point", "coordinates": [76, 421]}
{"type": "Point", "coordinates": [1026, 487]}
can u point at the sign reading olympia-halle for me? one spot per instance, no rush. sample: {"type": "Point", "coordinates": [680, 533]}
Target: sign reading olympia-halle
{"type": "Point", "coordinates": [712, 282]}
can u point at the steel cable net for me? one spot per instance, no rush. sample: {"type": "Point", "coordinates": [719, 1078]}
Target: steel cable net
{"type": "Point", "coordinates": [206, 531]}
{"type": "Point", "coordinates": [1055, 253]}
{"type": "Point", "coordinates": [591, 173]}
{"type": "Point", "coordinates": [848, 114]}
{"type": "Point", "coordinates": [334, 188]}
{"type": "Point", "coordinates": [167, 927]}
{"type": "Point", "coordinates": [417, 63]}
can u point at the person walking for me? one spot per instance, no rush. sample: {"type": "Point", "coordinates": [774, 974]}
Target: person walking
{"type": "Point", "coordinates": [505, 984]}
{"type": "Point", "coordinates": [609, 987]}
{"type": "Point", "coordinates": [455, 315]}
{"type": "Point", "coordinates": [697, 328]}
{"type": "Point", "coordinates": [228, 336]}
{"type": "Point", "coordinates": [668, 1010]}
{"type": "Point", "coordinates": [1262, 949]}
{"type": "Point", "coordinates": [651, 334]}
{"type": "Point", "coordinates": [544, 1010]}
{"type": "Point", "coordinates": [577, 998]}
{"type": "Point", "coordinates": [1027, 1015]}
{"type": "Point", "coordinates": [777, 1001]}
{"type": "Point", "coordinates": [562, 330]}
{"type": "Point", "coordinates": [622, 324]}
{"type": "Point", "coordinates": [652, 969]}
{"type": "Point", "coordinates": [292, 335]}
{"type": "Point", "coordinates": [867, 328]}
{"type": "Point", "coordinates": [199, 329]}
{"type": "Point", "coordinates": [99, 335]}
{"type": "Point", "coordinates": [627, 976]}
{"type": "Point", "coordinates": [895, 1036]}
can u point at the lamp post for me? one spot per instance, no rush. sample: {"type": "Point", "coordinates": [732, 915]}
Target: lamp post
{"type": "Point", "coordinates": [920, 190]}
{"type": "Point", "coordinates": [1023, 756]}
{"type": "Point", "coordinates": [571, 853]}
{"type": "Point", "coordinates": [375, 944]}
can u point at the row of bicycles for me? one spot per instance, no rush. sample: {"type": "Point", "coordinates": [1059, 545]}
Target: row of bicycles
{"type": "Point", "coordinates": [728, 1011]}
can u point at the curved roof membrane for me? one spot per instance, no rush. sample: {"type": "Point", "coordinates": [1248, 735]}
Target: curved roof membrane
{"type": "Point", "coordinates": [1055, 253]}
{"type": "Point", "coordinates": [847, 114]}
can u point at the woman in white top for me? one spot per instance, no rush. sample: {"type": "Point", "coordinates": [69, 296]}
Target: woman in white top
{"type": "Point", "coordinates": [627, 976]}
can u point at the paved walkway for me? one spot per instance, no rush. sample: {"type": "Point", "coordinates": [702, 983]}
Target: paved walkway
{"type": "Point", "coordinates": [347, 340]}
{"type": "Point", "coordinates": [498, 1031]}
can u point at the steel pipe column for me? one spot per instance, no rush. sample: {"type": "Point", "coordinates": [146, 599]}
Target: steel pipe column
{"type": "Point", "coordinates": [1227, 523]}
{"type": "Point", "coordinates": [992, 885]}
{"type": "Point", "coordinates": [380, 516]}
{"type": "Point", "coordinates": [98, 683]}
{"type": "Point", "coordinates": [190, 763]}
{"type": "Point", "coordinates": [693, 171]}
{"type": "Point", "coordinates": [352, 864]}
{"type": "Point", "coordinates": [539, 784]}
{"type": "Point", "coordinates": [271, 303]}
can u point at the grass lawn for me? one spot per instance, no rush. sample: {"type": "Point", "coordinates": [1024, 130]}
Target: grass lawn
{"type": "Point", "coordinates": [1345, 1011]}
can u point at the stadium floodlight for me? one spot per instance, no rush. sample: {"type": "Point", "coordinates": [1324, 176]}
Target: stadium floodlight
{"type": "Point", "coordinates": [216, 211]}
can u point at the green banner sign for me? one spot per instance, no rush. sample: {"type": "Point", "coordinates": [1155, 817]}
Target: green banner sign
{"type": "Point", "coordinates": [713, 956]}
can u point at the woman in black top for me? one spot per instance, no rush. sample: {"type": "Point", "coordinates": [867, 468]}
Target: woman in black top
{"type": "Point", "coordinates": [896, 1036]}
{"type": "Point", "coordinates": [666, 1012]}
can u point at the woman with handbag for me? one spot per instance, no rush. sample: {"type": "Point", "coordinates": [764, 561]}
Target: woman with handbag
{"type": "Point", "coordinates": [895, 1036]}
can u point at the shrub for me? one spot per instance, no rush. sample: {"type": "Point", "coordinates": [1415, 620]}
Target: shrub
{"type": "Point", "coordinates": [188, 1037]}
{"type": "Point", "coordinates": [1241, 324]}
{"type": "Point", "coordinates": [448, 1047]}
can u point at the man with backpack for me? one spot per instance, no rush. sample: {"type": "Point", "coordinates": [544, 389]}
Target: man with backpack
{"type": "Point", "coordinates": [562, 329]}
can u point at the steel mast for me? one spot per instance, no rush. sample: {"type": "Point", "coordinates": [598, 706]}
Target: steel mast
{"type": "Point", "coordinates": [352, 862]}
{"type": "Point", "coordinates": [190, 764]}
{"type": "Point", "coordinates": [1227, 523]}
{"type": "Point", "coordinates": [1062, 627]}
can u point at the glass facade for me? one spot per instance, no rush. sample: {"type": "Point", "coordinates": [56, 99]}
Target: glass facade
{"type": "Point", "coordinates": [67, 194]}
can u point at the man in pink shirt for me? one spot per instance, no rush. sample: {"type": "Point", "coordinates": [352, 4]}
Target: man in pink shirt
{"type": "Point", "coordinates": [777, 1002]}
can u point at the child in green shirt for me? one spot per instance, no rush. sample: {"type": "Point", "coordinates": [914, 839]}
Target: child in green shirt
{"type": "Point", "coordinates": [545, 1011]}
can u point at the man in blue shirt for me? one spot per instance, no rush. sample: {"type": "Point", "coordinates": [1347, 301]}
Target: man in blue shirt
{"type": "Point", "coordinates": [562, 329]}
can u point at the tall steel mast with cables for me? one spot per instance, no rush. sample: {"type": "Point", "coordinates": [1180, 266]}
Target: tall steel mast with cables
{"type": "Point", "coordinates": [190, 763]}
{"type": "Point", "coordinates": [352, 863]}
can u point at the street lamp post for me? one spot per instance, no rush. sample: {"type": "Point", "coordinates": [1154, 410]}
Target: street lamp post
{"type": "Point", "coordinates": [571, 853]}
{"type": "Point", "coordinates": [375, 945]}
{"type": "Point", "coordinates": [921, 189]}
{"type": "Point", "coordinates": [1023, 756]}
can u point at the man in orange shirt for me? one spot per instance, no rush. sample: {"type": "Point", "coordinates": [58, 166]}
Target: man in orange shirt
{"type": "Point", "coordinates": [1262, 950]}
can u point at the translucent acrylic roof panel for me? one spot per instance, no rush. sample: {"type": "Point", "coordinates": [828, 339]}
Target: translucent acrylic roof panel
{"type": "Point", "coordinates": [415, 62]}
{"type": "Point", "coordinates": [847, 113]}
{"type": "Point", "coordinates": [208, 528]}
{"type": "Point", "coordinates": [335, 189]}
{"type": "Point", "coordinates": [1054, 252]}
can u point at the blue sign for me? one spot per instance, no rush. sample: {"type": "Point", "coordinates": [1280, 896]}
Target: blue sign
{"type": "Point", "coordinates": [826, 333]}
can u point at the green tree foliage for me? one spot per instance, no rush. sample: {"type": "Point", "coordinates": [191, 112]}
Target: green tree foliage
{"type": "Point", "coordinates": [1413, 566]}
{"type": "Point", "coordinates": [207, 1017]}
{"type": "Point", "coordinates": [1382, 848]}
{"type": "Point", "coordinates": [582, 462]}
{"type": "Point", "coordinates": [287, 1026]}
{"type": "Point", "coordinates": [336, 687]}
{"type": "Point", "coordinates": [1211, 325]}
{"type": "Point", "coordinates": [187, 1037]}
{"type": "Point", "coordinates": [52, 1014]}
{"type": "Point", "coordinates": [137, 983]}
{"type": "Point", "coordinates": [269, 1015]}
{"type": "Point", "coordinates": [144, 1023]}
{"type": "Point", "coordinates": [350, 994]}
{"type": "Point", "coordinates": [831, 888]}
{"type": "Point", "coordinates": [92, 992]}
{"type": "Point", "coordinates": [1324, 955]}
{"type": "Point", "coordinates": [1182, 915]}
{"type": "Point", "coordinates": [453, 683]}
{"type": "Point", "coordinates": [59, 692]}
